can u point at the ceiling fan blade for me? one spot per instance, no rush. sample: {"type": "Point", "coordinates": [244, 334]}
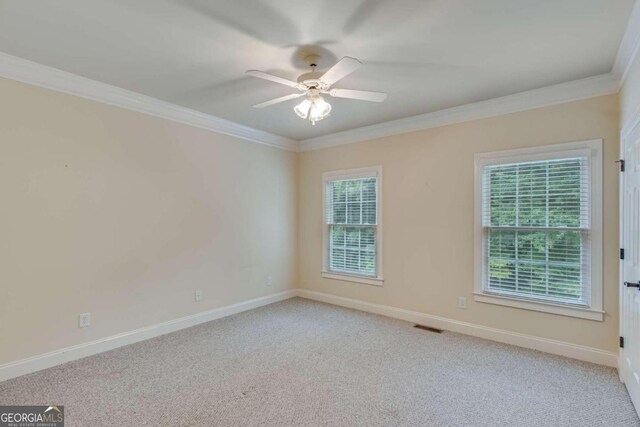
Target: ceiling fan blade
{"type": "Point", "coordinates": [363, 95]}
{"type": "Point", "coordinates": [271, 77]}
{"type": "Point", "coordinates": [343, 68]}
{"type": "Point", "coordinates": [278, 100]}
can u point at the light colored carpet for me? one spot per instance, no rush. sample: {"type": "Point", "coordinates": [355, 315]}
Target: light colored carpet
{"type": "Point", "coordinates": [302, 363]}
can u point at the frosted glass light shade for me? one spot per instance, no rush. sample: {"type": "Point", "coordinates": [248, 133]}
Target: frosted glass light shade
{"type": "Point", "coordinates": [302, 109]}
{"type": "Point", "coordinates": [319, 109]}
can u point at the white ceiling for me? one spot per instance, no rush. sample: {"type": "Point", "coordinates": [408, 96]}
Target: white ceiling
{"type": "Point", "coordinates": [426, 54]}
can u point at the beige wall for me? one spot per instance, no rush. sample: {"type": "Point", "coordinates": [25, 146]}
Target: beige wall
{"type": "Point", "coordinates": [428, 216]}
{"type": "Point", "coordinates": [124, 215]}
{"type": "Point", "coordinates": [630, 94]}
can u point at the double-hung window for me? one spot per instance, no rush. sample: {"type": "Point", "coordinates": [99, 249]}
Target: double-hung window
{"type": "Point", "coordinates": [539, 229]}
{"type": "Point", "coordinates": [352, 225]}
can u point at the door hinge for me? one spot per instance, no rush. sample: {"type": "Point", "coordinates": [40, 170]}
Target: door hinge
{"type": "Point", "coordinates": [621, 342]}
{"type": "Point", "coordinates": [621, 164]}
{"type": "Point", "coordinates": [621, 253]}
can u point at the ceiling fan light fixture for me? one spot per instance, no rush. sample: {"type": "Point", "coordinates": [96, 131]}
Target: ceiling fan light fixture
{"type": "Point", "coordinates": [302, 109]}
{"type": "Point", "coordinates": [319, 110]}
{"type": "Point", "coordinates": [312, 84]}
{"type": "Point", "coordinates": [314, 107]}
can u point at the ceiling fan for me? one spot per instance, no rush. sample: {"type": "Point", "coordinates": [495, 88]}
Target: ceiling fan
{"type": "Point", "coordinates": [314, 84]}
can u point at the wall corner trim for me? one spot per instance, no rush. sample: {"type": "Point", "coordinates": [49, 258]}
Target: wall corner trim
{"type": "Point", "coordinates": [57, 357]}
{"type": "Point", "coordinates": [629, 46]}
{"type": "Point", "coordinates": [22, 70]}
{"type": "Point", "coordinates": [561, 348]}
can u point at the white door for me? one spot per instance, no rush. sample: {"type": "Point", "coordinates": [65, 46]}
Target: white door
{"type": "Point", "coordinates": [630, 266]}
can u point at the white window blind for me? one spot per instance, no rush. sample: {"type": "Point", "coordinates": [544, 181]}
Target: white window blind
{"type": "Point", "coordinates": [351, 214]}
{"type": "Point", "coordinates": [537, 230]}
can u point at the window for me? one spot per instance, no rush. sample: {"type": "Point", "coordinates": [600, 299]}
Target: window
{"type": "Point", "coordinates": [538, 229]}
{"type": "Point", "coordinates": [352, 225]}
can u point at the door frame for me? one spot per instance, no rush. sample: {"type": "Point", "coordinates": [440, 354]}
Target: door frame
{"type": "Point", "coordinates": [621, 208]}
{"type": "Point", "coordinates": [625, 132]}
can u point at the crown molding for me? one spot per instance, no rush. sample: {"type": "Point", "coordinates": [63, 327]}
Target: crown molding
{"type": "Point", "coordinates": [14, 68]}
{"type": "Point", "coordinates": [576, 90]}
{"type": "Point", "coordinates": [20, 69]}
{"type": "Point", "coordinates": [629, 46]}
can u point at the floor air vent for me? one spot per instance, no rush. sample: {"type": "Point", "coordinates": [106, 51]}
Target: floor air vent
{"type": "Point", "coordinates": [428, 328]}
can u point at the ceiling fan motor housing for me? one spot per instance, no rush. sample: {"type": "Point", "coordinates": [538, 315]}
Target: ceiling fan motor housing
{"type": "Point", "coordinates": [312, 80]}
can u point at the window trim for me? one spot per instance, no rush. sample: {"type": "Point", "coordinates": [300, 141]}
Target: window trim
{"type": "Point", "coordinates": [591, 148]}
{"type": "Point", "coordinates": [367, 172]}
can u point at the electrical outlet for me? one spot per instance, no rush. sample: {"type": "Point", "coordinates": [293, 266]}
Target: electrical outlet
{"type": "Point", "coordinates": [462, 302]}
{"type": "Point", "coordinates": [198, 295]}
{"type": "Point", "coordinates": [84, 320]}
{"type": "Point", "coordinates": [269, 280]}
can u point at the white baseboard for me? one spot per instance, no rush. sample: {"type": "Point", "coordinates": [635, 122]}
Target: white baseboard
{"type": "Point", "coordinates": [574, 351]}
{"type": "Point", "coordinates": [57, 357]}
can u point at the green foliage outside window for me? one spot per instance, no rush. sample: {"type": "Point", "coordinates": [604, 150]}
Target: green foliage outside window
{"type": "Point", "coordinates": [535, 220]}
{"type": "Point", "coordinates": [352, 209]}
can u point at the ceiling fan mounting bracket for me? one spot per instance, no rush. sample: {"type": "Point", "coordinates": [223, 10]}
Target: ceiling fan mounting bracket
{"type": "Point", "coordinates": [312, 60]}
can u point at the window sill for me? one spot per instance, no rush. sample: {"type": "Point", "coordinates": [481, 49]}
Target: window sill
{"type": "Point", "coordinates": [375, 281]}
{"type": "Point", "coordinates": [542, 306]}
